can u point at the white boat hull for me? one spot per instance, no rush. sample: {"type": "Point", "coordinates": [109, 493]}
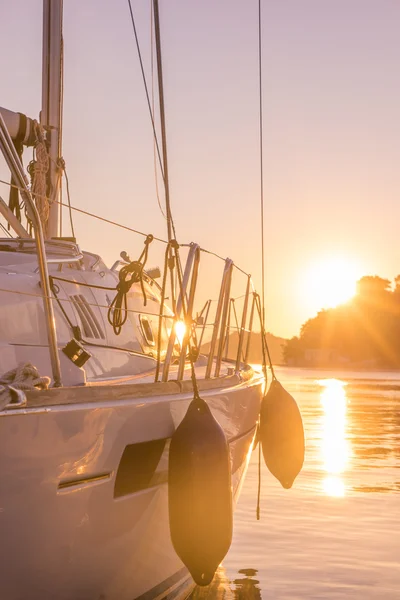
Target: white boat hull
{"type": "Point", "coordinates": [84, 491]}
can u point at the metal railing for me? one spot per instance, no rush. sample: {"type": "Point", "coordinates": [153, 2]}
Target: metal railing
{"type": "Point", "coordinates": [181, 305]}
{"type": "Point", "coordinates": [222, 303]}
{"type": "Point", "coordinates": [243, 324]}
{"type": "Point", "coordinates": [189, 312]}
{"type": "Point", "coordinates": [220, 327]}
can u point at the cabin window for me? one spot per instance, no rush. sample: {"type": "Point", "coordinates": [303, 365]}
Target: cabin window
{"type": "Point", "coordinates": [147, 331]}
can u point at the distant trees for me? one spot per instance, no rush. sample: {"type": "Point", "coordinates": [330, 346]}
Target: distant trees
{"type": "Point", "coordinates": [362, 332]}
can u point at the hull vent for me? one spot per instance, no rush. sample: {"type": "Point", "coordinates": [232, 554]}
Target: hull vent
{"type": "Point", "coordinates": [90, 324]}
{"type": "Point", "coordinates": [138, 467]}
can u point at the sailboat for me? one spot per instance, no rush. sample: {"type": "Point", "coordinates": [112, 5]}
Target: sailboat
{"type": "Point", "coordinates": [95, 378]}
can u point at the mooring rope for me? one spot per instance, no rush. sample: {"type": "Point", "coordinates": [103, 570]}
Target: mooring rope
{"type": "Point", "coordinates": [23, 378]}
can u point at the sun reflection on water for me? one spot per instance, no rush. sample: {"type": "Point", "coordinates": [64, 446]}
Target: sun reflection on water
{"type": "Point", "coordinates": [334, 445]}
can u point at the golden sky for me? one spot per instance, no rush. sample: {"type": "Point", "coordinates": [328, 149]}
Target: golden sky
{"type": "Point", "coordinates": [331, 131]}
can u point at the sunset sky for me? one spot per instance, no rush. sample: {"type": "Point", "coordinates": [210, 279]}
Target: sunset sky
{"type": "Point", "coordinates": [331, 131]}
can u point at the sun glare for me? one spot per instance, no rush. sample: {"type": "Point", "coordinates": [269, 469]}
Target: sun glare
{"type": "Point", "coordinates": [331, 282]}
{"type": "Point", "coordinates": [334, 444]}
{"type": "Point", "coordinates": [180, 330]}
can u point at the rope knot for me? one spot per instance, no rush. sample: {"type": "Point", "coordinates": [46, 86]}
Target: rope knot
{"type": "Point", "coordinates": [23, 378]}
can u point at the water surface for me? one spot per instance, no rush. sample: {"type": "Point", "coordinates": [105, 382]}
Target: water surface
{"type": "Point", "coordinates": [336, 533]}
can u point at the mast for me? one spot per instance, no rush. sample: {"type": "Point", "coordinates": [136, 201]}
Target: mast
{"type": "Point", "coordinates": [51, 114]}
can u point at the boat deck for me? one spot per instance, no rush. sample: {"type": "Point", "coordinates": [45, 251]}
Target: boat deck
{"type": "Point", "coordinates": [142, 386]}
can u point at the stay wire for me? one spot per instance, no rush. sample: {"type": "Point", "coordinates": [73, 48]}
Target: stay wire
{"type": "Point", "coordinates": [116, 224]}
{"type": "Point", "coordinates": [261, 304]}
{"type": "Point", "coordinates": [63, 167]}
{"type": "Point", "coordinates": [207, 308]}
{"type": "Point", "coordinates": [125, 227]}
{"type": "Point", "coordinates": [260, 308]}
{"type": "Point", "coordinates": [146, 88]}
{"type": "Point", "coordinates": [69, 203]}
{"type": "Point", "coordinates": [261, 161]}
{"type": "Point", "coordinates": [71, 302]}
{"type": "Point", "coordinates": [89, 214]}
{"type": "Point", "coordinates": [235, 315]}
{"type": "Point", "coordinates": [5, 230]}
{"type": "Point", "coordinates": [265, 348]}
{"type": "Point", "coordinates": [76, 329]}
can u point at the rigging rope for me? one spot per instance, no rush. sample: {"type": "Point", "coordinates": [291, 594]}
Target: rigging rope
{"type": "Point", "coordinates": [13, 203]}
{"type": "Point", "coordinates": [265, 349]}
{"type": "Point", "coordinates": [89, 214]}
{"type": "Point", "coordinates": [261, 163]}
{"type": "Point", "coordinates": [61, 164]}
{"type": "Point", "coordinates": [260, 303]}
{"type": "Point", "coordinates": [37, 169]}
{"type": "Point", "coordinates": [262, 237]}
{"type": "Point", "coordinates": [145, 87]}
{"type": "Point", "coordinates": [116, 224]}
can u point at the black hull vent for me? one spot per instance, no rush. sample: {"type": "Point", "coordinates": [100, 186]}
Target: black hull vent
{"type": "Point", "coordinates": [137, 469]}
{"type": "Point", "coordinates": [90, 325]}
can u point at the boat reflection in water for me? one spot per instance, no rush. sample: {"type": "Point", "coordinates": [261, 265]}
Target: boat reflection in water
{"type": "Point", "coordinates": [247, 588]}
{"type": "Point", "coordinates": [244, 587]}
{"type": "Point", "coordinates": [334, 444]}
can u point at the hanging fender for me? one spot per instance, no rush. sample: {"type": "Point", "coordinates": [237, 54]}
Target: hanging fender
{"type": "Point", "coordinates": [281, 434]}
{"type": "Point", "coordinates": [199, 492]}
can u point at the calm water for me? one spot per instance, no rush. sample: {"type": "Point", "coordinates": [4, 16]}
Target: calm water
{"type": "Point", "coordinates": [336, 533]}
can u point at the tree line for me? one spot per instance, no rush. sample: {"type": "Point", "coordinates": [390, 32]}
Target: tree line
{"type": "Point", "coordinates": [364, 332]}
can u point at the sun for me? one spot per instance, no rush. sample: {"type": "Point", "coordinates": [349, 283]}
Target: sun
{"type": "Point", "coordinates": [331, 282]}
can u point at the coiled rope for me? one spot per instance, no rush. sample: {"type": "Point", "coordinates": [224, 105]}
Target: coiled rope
{"type": "Point", "coordinates": [128, 275]}
{"type": "Point", "coordinates": [23, 378]}
{"type": "Point", "coordinates": [37, 170]}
